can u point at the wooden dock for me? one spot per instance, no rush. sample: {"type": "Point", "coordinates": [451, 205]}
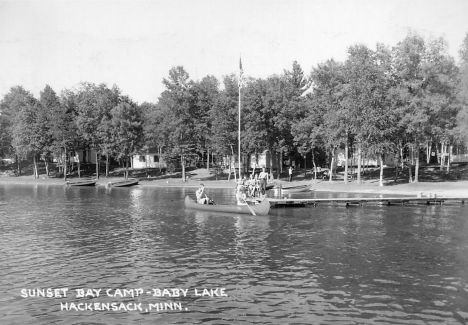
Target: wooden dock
{"type": "Point", "coordinates": [361, 201]}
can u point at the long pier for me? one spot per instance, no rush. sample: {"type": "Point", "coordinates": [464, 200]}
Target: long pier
{"type": "Point", "coordinates": [361, 201]}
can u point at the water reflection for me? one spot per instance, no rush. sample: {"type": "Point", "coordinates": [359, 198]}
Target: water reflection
{"type": "Point", "coordinates": [330, 264]}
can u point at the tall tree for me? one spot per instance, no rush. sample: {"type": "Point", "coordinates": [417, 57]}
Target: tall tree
{"type": "Point", "coordinates": [18, 112]}
{"type": "Point", "coordinates": [461, 130]}
{"type": "Point", "coordinates": [308, 131]}
{"type": "Point", "coordinates": [369, 117]}
{"type": "Point", "coordinates": [67, 135]}
{"type": "Point", "coordinates": [155, 133]}
{"type": "Point", "coordinates": [205, 93]}
{"type": "Point", "coordinates": [257, 120]}
{"type": "Point", "coordinates": [408, 60]}
{"type": "Point", "coordinates": [46, 118]}
{"type": "Point", "coordinates": [94, 104]}
{"type": "Point", "coordinates": [126, 129]}
{"type": "Point", "coordinates": [179, 112]}
{"type": "Point", "coordinates": [328, 80]}
{"type": "Point", "coordinates": [223, 116]}
{"type": "Point", "coordinates": [426, 77]}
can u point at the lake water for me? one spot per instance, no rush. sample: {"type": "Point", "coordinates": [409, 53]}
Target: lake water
{"type": "Point", "coordinates": [324, 265]}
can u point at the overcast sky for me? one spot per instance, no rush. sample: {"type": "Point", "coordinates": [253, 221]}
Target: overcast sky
{"type": "Point", "coordinates": [134, 44]}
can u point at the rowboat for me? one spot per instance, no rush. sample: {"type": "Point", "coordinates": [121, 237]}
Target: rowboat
{"type": "Point", "coordinates": [123, 183]}
{"type": "Point", "coordinates": [261, 209]}
{"type": "Point", "coordinates": [82, 182]}
{"type": "Point", "coordinates": [296, 189]}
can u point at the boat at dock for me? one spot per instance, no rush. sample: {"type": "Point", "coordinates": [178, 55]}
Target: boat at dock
{"type": "Point", "coordinates": [260, 209]}
{"type": "Point", "coordinates": [295, 189]}
{"type": "Point", "coordinates": [270, 186]}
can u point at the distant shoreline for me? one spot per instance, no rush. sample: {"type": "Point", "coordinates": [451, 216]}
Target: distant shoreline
{"type": "Point", "coordinates": [448, 189]}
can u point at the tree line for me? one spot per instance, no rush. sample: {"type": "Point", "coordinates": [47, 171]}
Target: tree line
{"type": "Point", "coordinates": [399, 100]}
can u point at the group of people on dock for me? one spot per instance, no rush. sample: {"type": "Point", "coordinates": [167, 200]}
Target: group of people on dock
{"type": "Point", "coordinates": [253, 187]}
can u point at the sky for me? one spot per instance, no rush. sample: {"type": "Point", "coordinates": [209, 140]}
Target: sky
{"type": "Point", "coordinates": [134, 44]}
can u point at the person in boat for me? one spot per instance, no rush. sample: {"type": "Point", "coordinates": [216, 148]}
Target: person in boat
{"type": "Point", "coordinates": [202, 198]}
{"type": "Point", "coordinates": [240, 195]}
{"type": "Point", "coordinates": [263, 179]}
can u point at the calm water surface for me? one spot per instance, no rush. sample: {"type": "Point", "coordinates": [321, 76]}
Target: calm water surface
{"type": "Point", "coordinates": [324, 265]}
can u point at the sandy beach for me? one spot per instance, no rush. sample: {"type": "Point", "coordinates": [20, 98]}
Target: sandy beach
{"type": "Point", "coordinates": [447, 189]}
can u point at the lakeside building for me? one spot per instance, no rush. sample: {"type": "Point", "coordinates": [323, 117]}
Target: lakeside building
{"type": "Point", "coordinates": [388, 160]}
{"type": "Point", "coordinates": [263, 160]}
{"type": "Point", "coordinates": [459, 154]}
{"type": "Point", "coordinates": [149, 158]}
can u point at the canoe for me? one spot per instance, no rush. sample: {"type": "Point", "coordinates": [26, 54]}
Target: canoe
{"type": "Point", "coordinates": [261, 209]}
{"type": "Point", "coordinates": [295, 189]}
{"type": "Point", "coordinates": [123, 183]}
{"type": "Point", "coordinates": [82, 182]}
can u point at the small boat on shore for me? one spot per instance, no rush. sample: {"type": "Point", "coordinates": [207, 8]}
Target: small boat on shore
{"type": "Point", "coordinates": [123, 183]}
{"type": "Point", "coordinates": [81, 182]}
{"type": "Point", "coordinates": [261, 209]}
{"type": "Point", "coordinates": [295, 189]}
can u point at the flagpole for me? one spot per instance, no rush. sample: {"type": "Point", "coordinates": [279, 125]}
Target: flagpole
{"type": "Point", "coordinates": [239, 132]}
{"type": "Point", "coordinates": [241, 72]}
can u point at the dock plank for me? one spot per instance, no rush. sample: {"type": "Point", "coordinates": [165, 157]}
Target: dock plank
{"type": "Point", "coordinates": [361, 201]}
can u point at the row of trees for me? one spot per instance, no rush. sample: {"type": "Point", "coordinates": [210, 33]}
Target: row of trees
{"type": "Point", "coordinates": [398, 100]}
{"type": "Point", "coordinates": [51, 126]}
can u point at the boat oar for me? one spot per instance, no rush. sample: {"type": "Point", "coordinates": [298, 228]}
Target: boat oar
{"type": "Point", "coordinates": [210, 200]}
{"type": "Point", "coordinates": [251, 210]}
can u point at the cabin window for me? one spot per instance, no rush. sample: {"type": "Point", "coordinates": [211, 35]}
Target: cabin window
{"type": "Point", "coordinates": [142, 158]}
{"type": "Point", "coordinates": [156, 158]}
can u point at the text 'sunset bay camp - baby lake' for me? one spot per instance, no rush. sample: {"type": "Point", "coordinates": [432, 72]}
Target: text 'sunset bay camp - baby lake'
{"type": "Point", "coordinates": [137, 256]}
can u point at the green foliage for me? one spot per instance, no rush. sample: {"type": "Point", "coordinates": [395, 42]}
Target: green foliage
{"type": "Point", "coordinates": [126, 129]}
{"type": "Point", "coordinates": [223, 116]}
{"type": "Point", "coordinates": [19, 112]}
{"type": "Point", "coordinates": [410, 95]}
{"type": "Point", "coordinates": [461, 129]}
{"type": "Point", "coordinates": [328, 80]}
{"type": "Point", "coordinates": [94, 104]}
{"type": "Point", "coordinates": [178, 118]}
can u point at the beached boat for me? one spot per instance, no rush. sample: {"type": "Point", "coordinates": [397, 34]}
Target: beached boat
{"type": "Point", "coordinates": [82, 182]}
{"type": "Point", "coordinates": [295, 189]}
{"type": "Point", "coordinates": [261, 209]}
{"type": "Point", "coordinates": [123, 183]}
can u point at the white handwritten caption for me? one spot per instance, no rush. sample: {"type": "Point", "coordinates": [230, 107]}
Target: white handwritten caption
{"type": "Point", "coordinates": [122, 293]}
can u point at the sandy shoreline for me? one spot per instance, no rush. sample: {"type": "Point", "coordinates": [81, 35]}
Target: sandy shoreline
{"type": "Point", "coordinates": [448, 189]}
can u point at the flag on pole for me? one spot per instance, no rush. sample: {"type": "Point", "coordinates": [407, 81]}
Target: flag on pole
{"type": "Point", "coordinates": [241, 74]}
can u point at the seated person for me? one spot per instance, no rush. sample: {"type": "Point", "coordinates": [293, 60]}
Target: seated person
{"type": "Point", "coordinates": [200, 193]}
{"type": "Point", "coordinates": [240, 195]}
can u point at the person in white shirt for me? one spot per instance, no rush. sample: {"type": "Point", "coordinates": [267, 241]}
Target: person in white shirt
{"type": "Point", "coordinates": [200, 193]}
{"type": "Point", "coordinates": [240, 195]}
